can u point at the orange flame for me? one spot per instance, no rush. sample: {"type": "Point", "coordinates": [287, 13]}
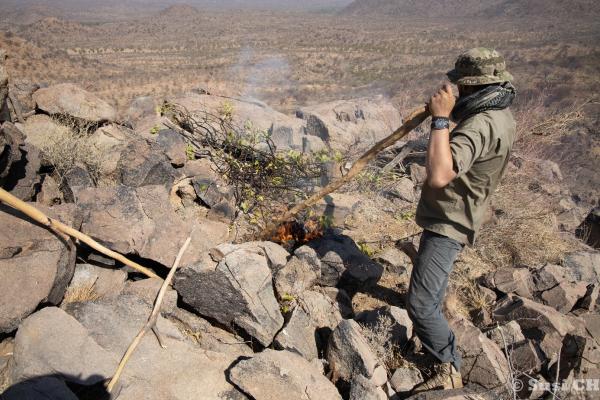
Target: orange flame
{"type": "Point", "coordinates": [298, 232]}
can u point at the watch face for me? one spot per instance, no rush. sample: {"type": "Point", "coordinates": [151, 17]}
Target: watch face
{"type": "Point", "coordinates": [440, 124]}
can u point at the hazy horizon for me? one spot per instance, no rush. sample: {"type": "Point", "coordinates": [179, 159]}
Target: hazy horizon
{"type": "Point", "coordinates": [156, 4]}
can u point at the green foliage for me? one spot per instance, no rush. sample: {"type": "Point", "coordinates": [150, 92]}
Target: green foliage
{"type": "Point", "coordinates": [405, 215]}
{"type": "Point", "coordinates": [190, 153]}
{"type": "Point", "coordinates": [155, 129]}
{"type": "Point", "coordinates": [366, 249]}
{"type": "Point", "coordinates": [226, 110]}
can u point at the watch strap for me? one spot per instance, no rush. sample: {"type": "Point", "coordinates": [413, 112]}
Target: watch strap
{"type": "Point", "coordinates": [439, 123]}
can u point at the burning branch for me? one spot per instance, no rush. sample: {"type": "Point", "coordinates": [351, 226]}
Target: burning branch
{"type": "Point", "coordinates": [414, 119]}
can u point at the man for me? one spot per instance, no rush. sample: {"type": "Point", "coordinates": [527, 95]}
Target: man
{"type": "Point", "coordinates": [463, 169]}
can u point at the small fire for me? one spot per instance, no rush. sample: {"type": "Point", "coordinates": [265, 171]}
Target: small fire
{"type": "Point", "coordinates": [298, 232]}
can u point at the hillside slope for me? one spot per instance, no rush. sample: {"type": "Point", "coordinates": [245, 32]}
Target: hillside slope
{"type": "Point", "coordinates": [488, 8]}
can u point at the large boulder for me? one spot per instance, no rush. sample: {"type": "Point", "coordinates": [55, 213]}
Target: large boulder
{"type": "Point", "coordinates": [141, 221]}
{"type": "Point", "coordinates": [349, 353]}
{"type": "Point", "coordinates": [105, 329]}
{"type": "Point", "coordinates": [252, 115]}
{"type": "Point", "coordinates": [57, 349]}
{"type": "Point", "coordinates": [140, 107]}
{"type": "Point", "coordinates": [234, 287]}
{"type": "Point", "coordinates": [297, 276]}
{"type": "Point", "coordinates": [299, 335]}
{"type": "Point", "coordinates": [483, 361]}
{"type": "Point", "coordinates": [354, 123]}
{"type": "Point", "coordinates": [343, 262]}
{"type": "Point", "coordinates": [69, 99]}
{"type": "Point", "coordinates": [275, 375]}
{"type": "Point", "coordinates": [324, 311]}
{"type": "Point", "coordinates": [35, 264]}
{"type": "Point", "coordinates": [584, 266]}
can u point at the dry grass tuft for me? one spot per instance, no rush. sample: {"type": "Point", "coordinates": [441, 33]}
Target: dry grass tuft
{"type": "Point", "coordinates": [70, 148]}
{"type": "Point", "coordinates": [82, 293]}
{"type": "Point", "coordinates": [379, 337]}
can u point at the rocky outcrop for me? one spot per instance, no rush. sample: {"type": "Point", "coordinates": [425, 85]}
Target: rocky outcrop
{"type": "Point", "coordinates": [141, 221]}
{"type": "Point", "coordinates": [252, 115]}
{"type": "Point", "coordinates": [71, 100]}
{"type": "Point", "coordinates": [354, 123]}
{"type": "Point", "coordinates": [234, 287]}
{"type": "Point", "coordinates": [35, 264]}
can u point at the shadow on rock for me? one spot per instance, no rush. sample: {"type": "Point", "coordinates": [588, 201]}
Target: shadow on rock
{"type": "Point", "coordinates": [60, 387]}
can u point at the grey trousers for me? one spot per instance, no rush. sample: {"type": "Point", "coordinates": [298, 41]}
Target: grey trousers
{"type": "Point", "coordinates": [428, 283]}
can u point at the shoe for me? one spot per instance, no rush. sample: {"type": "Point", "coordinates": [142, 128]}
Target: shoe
{"type": "Point", "coordinates": [446, 377]}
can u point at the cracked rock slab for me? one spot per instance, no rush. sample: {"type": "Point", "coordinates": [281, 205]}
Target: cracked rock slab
{"type": "Point", "coordinates": [276, 375]}
{"type": "Point", "coordinates": [237, 291]}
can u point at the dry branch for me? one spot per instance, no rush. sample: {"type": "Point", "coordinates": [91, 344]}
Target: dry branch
{"type": "Point", "coordinates": [63, 229]}
{"type": "Point", "coordinates": [414, 119]}
{"type": "Point", "coordinates": [151, 324]}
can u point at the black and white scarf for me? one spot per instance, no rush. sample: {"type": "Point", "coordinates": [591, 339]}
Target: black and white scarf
{"type": "Point", "coordinates": [495, 97]}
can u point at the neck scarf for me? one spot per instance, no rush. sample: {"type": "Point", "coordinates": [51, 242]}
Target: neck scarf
{"type": "Point", "coordinates": [495, 97]}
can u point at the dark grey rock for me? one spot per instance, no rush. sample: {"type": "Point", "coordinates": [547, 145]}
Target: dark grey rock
{"type": "Point", "coordinates": [342, 261]}
{"type": "Point", "coordinates": [236, 290]}
{"type": "Point", "coordinates": [141, 165]}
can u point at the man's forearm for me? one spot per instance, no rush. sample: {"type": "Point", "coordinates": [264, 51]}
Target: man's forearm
{"type": "Point", "coordinates": [440, 169]}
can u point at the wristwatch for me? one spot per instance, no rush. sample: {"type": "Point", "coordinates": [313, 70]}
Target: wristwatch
{"type": "Point", "coordinates": [438, 123]}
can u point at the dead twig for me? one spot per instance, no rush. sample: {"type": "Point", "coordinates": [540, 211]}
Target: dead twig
{"type": "Point", "coordinates": [151, 324]}
{"type": "Point", "coordinates": [414, 119]}
{"type": "Point", "coordinates": [398, 159]}
{"type": "Point", "coordinates": [63, 229]}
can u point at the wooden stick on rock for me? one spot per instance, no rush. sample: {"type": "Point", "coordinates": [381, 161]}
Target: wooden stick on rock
{"type": "Point", "coordinates": [151, 320]}
{"type": "Point", "coordinates": [59, 227]}
{"type": "Point", "coordinates": [414, 119]}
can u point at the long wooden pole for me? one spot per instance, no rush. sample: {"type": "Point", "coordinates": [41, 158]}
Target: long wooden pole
{"type": "Point", "coordinates": [415, 119]}
{"type": "Point", "coordinates": [58, 226]}
{"type": "Point", "coordinates": [151, 323]}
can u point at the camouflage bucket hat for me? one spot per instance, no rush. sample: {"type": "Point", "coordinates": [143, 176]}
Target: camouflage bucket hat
{"type": "Point", "coordinates": [479, 66]}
